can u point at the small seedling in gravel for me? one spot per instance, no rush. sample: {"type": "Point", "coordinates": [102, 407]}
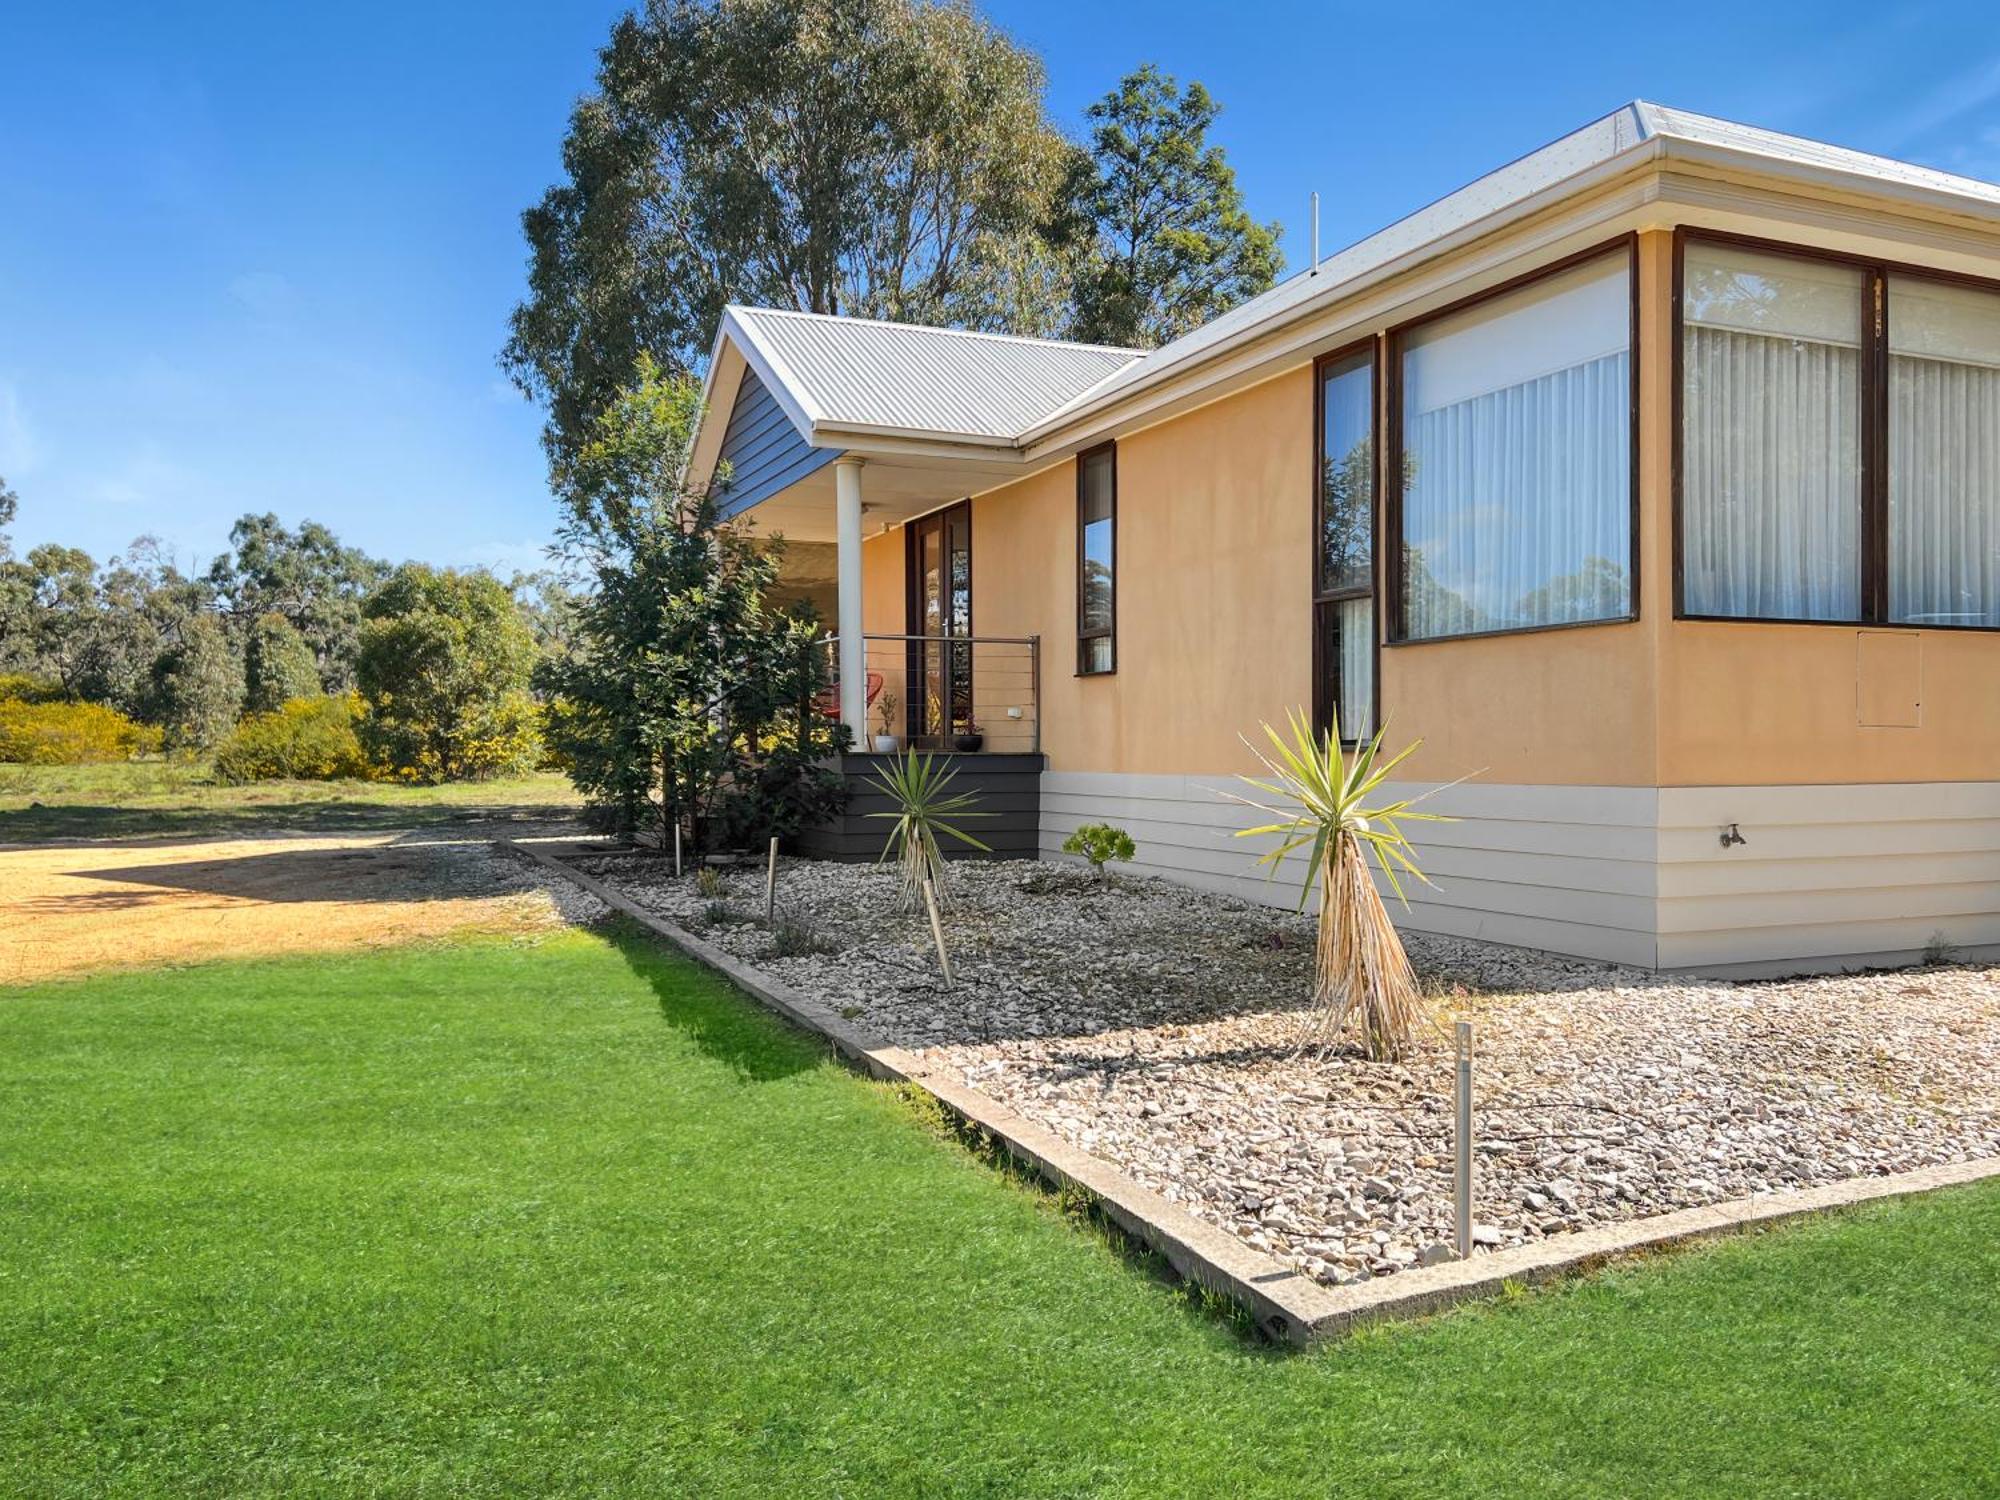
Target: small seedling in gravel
{"type": "Point", "coordinates": [717, 914]}
{"type": "Point", "coordinates": [709, 882]}
{"type": "Point", "coordinates": [794, 937]}
{"type": "Point", "coordinates": [1940, 950]}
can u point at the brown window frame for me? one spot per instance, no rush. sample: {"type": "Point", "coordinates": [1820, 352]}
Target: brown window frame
{"type": "Point", "coordinates": [1108, 632]}
{"type": "Point", "coordinates": [1394, 624]}
{"type": "Point", "coordinates": [1325, 683]}
{"type": "Point", "coordinates": [1874, 396]}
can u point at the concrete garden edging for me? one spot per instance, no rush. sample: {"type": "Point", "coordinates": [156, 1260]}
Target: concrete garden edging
{"type": "Point", "coordinates": [1286, 1304]}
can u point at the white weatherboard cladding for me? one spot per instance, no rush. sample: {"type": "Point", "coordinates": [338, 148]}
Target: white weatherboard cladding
{"type": "Point", "coordinates": [1831, 876]}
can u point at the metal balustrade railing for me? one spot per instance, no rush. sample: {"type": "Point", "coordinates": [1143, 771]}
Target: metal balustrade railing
{"type": "Point", "coordinates": [973, 694]}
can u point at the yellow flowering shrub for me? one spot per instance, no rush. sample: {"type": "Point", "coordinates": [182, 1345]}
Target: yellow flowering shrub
{"type": "Point", "coordinates": [69, 734]}
{"type": "Point", "coordinates": [306, 739]}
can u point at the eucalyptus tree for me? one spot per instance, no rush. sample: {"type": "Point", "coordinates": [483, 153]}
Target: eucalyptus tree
{"type": "Point", "coordinates": [882, 158]}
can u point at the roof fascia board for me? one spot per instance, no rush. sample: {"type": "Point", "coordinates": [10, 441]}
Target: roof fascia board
{"type": "Point", "coordinates": [1731, 199]}
{"type": "Point", "coordinates": [887, 444]}
{"type": "Point", "coordinates": [718, 399]}
{"type": "Point", "coordinates": [1831, 178]}
{"type": "Point", "coordinates": [771, 370]}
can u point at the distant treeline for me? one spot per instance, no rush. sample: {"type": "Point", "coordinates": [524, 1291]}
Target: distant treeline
{"type": "Point", "coordinates": [291, 654]}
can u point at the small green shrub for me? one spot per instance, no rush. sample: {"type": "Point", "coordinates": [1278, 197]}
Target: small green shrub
{"type": "Point", "coordinates": [709, 883]}
{"type": "Point", "coordinates": [308, 739]}
{"type": "Point", "coordinates": [1100, 843]}
{"type": "Point", "coordinates": [69, 734]}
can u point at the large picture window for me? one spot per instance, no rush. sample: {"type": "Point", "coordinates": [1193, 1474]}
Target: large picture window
{"type": "Point", "coordinates": [1097, 562]}
{"type": "Point", "coordinates": [1344, 568]}
{"type": "Point", "coordinates": [1513, 459]}
{"type": "Point", "coordinates": [1840, 439]}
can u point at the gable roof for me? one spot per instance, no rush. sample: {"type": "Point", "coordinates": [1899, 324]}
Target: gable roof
{"type": "Point", "coordinates": [857, 374]}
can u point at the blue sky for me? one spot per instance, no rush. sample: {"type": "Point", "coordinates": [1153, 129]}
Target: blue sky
{"type": "Point", "coordinates": [260, 257]}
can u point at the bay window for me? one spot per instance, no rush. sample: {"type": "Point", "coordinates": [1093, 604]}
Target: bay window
{"type": "Point", "coordinates": [1840, 440]}
{"type": "Point", "coordinates": [1511, 475]}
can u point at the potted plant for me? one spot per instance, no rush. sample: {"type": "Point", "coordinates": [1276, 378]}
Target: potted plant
{"type": "Point", "coordinates": [886, 743]}
{"type": "Point", "coordinates": [969, 737]}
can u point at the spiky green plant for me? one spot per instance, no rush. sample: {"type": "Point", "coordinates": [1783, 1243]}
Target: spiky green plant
{"type": "Point", "coordinates": [925, 807]}
{"type": "Point", "coordinates": [1326, 806]}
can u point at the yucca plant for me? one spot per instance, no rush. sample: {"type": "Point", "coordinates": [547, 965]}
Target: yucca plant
{"type": "Point", "coordinates": [1361, 975]}
{"type": "Point", "coordinates": [925, 807]}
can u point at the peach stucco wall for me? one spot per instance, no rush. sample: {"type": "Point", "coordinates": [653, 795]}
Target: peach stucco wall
{"type": "Point", "coordinates": [1214, 617]}
{"type": "Point", "coordinates": [1213, 601]}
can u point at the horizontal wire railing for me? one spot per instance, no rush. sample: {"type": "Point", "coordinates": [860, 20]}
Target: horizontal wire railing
{"type": "Point", "coordinates": [967, 694]}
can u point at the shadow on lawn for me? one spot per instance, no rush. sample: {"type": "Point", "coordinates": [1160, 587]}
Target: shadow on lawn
{"type": "Point", "coordinates": [726, 1025]}
{"type": "Point", "coordinates": [77, 823]}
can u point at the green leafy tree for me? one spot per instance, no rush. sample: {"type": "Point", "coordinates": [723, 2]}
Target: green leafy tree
{"type": "Point", "coordinates": [278, 665]}
{"type": "Point", "coordinates": [882, 158]}
{"type": "Point", "coordinates": [444, 665]}
{"type": "Point", "coordinates": [1174, 246]}
{"type": "Point", "coordinates": [196, 686]}
{"type": "Point", "coordinates": [53, 604]}
{"type": "Point", "coordinates": [685, 699]}
{"type": "Point", "coordinates": [141, 600]}
{"type": "Point", "coordinates": [309, 577]}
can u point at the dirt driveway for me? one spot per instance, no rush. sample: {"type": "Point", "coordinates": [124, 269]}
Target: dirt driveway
{"type": "Point", "coordinates": [70, 908]}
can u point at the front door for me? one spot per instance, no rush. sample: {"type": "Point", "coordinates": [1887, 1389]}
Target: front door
{"type": "Point", "coordinates": [940, 626]}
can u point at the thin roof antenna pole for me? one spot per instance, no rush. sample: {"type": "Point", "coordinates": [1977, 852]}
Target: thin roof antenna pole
{"type": "Point", "coordinates": [1315, 266]}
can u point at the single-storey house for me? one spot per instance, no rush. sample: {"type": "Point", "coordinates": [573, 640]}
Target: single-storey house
{"type": "Point", "coordinates": [1652, 481]}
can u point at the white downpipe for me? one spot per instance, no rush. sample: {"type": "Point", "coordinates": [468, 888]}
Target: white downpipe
{"type": "Point", "coordinates": [853, 650]}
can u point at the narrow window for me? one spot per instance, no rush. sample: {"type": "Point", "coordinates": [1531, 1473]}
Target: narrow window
{"type": "Point", "coordinates": [1344, 569]}
{"type": "Point", "coordinates": [1096, 561]}
{"type": "Point", "coordinates": [1514, 469]}
{"type": "Point", "coordinates": [1771, 439]}
{"type": "Point", "coordinates": [1944, 454]}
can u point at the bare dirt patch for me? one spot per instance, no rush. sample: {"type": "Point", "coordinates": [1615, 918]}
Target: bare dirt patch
{"type": "Point", "coordinates": [73, 908]}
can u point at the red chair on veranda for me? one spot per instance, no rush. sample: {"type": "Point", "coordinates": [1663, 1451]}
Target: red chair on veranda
{"type": "Point", "coordinates": [828, 701]}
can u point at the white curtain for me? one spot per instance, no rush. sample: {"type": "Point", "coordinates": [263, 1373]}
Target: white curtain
{"type": "Point", "coordinates": [1944, 454]}
{"type": "Point", "coordinates": [1354, 632]}
{"type": "Point", "coordinates": [1771, 437]}
{"type": "Point", "coordinates": [1517, 459]}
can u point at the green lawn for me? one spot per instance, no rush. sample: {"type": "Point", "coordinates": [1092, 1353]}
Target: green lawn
{"type": "Point", "coordinates": [512, 1218]}
{"type": "Point", "coordinates": [169, 797]}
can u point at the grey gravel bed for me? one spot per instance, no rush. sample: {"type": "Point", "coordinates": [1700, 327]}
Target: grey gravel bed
{"type": "Point", "coordinates": [1155, 1027]}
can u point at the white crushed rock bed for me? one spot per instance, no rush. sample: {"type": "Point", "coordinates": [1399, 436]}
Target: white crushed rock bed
{"type": "Point", "coordinates": [1155, 1027]}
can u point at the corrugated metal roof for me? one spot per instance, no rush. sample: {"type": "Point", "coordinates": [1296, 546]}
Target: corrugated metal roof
{"type": "Point", "coordinates": [1018, 391]}
{"type": "Point", "coordinates": [852, 372]}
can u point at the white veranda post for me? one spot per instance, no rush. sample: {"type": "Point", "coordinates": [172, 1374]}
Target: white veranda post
{"type": "Point", "coordinates": [853, 650]}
